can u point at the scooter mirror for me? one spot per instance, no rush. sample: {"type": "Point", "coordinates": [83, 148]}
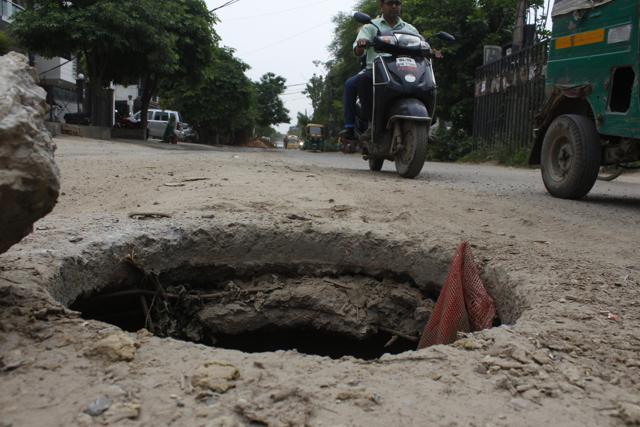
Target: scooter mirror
{"type": "Point", "coordinates": [445, 37]}
{"type": "Point", "coordinates": [362, 18]}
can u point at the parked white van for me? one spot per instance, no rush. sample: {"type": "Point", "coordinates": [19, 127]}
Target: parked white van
{"type": "Point", "coordinates": [158, 120]}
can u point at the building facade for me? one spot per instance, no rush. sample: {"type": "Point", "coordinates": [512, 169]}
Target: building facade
{"type": "Point", "coordinates": [59, 76]}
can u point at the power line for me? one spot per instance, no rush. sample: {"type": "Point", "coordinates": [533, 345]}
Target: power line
{"type": "Point", "coordinates": [297, 99]}
{"type": "Point", "coordinates": [57, 66]}
{"type": "Point", "coordinates": [244, 18]}
{"type": "Point", "coordinates": [288, 38]}
{"type": "Point", "coordinates": [228, 3]}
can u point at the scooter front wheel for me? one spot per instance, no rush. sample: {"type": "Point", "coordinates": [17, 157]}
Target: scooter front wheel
{"type": "Point", "coordinates": [413, 153]}
{"type": "Point", "coordinates": [375, 164]}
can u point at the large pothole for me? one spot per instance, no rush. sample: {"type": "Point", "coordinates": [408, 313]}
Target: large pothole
{"type": "Point", "coordinates": [258, 289]}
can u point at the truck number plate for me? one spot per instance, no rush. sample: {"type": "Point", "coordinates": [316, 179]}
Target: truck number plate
{"type": "Point", "coordinates": [406, 63]}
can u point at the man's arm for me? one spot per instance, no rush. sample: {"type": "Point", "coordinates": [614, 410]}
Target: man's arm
{"type": "Point", "coordinates": [365, 36]}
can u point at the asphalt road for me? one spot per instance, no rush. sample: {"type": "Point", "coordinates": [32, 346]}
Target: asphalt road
{"type": "Point", "coordinates": [616, 202]}
{"type": "Point", "coordinates": [515, 183]}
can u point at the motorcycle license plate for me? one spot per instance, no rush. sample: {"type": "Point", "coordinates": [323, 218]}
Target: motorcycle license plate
{"type": "Point", "coordinates": [409, 63]}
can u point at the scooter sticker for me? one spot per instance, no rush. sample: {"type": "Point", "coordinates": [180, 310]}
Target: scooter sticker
{"type": "Point", "coordinates": [404, 62]}
{"type": "Point", "coordinates": [410, 78]}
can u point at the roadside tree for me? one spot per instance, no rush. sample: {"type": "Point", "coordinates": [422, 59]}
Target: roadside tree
{"type": "Point", "coordinates": [222, 106]}
{"type": "Point", "coordinates": [160, 41]}
{"type": "Point", "coordinates": [270, 108]}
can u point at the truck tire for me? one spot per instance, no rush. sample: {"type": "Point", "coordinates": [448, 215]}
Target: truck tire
{"type": "Point", "coordinates": [571, 155]}
{"type": "Point", "coordinates": [410, 160]}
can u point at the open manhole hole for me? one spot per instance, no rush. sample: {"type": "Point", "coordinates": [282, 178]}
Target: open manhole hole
{"type": "Point", "coordinates": [256, 290]}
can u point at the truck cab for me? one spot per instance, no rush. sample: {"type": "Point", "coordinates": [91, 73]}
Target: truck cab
{"type": "Point", "coordinates": [591, 114]}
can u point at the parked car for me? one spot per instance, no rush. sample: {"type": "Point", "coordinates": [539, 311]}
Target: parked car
{"type": "Point", "coordinates": [157, 123]}
{"type": "Point", "coordinates": [189, 134]}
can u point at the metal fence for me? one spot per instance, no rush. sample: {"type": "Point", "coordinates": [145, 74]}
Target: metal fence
{"type": "Point", "coordinates": [509, 93]}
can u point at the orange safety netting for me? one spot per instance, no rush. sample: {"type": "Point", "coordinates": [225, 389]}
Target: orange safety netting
{"type": "Point", "coordinates": [463, 305]}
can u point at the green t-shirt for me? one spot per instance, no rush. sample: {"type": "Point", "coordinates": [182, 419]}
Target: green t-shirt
{"type": "Point", "coordinates": [369, 32]}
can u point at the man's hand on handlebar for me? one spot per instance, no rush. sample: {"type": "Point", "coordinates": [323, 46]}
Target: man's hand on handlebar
{"type": "Point", "coordinates": [361, 46]}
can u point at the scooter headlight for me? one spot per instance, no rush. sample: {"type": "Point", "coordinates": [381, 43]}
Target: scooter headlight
{"type": "Point", "coordinates": [389, 40]}
{"type": "Point", "coordinates": [409, 41]}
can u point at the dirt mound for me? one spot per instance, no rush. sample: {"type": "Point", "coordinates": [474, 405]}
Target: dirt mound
{"type": "Point", "coordinates": [256, 143]}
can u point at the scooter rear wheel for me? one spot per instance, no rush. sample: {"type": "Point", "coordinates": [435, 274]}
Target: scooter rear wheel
{"type": "Point", "coordinates": [411, 157]}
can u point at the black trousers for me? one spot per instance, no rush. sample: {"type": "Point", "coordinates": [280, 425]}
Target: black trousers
{"type": "Point", "coordinates": [365, 92]}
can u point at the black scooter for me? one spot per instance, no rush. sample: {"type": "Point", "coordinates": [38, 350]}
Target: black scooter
{"type": "Point", "coordinates": [404, 101]}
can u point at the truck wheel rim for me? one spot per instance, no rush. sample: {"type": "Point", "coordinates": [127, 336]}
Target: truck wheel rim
{"type": "Point", "coordinates": [562, 158]}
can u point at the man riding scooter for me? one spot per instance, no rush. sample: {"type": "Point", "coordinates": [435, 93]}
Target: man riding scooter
{"type": "Point", "coordinates": [362, 83]}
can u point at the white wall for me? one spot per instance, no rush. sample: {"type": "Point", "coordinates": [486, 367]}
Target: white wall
{"type": "Point", "coordinates": [65, 73]}
{"type": "Point", "coordinates": [122, 93]}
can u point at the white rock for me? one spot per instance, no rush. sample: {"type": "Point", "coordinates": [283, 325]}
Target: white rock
{"type": "Point", "coordinates": [29, 177]}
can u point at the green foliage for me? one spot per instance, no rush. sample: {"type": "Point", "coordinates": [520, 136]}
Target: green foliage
{"type": "Point", "coordinates": [303, 120]}
{"type": "Point", "coordinates": [221, 107]}
{"type": "Point", "coordinates": [5, 44]}
{"type": "Point", "coordinates": [270, 107]}
{"type": "Point", "coordinates": [314, 90]}
{"type": "Point", "coordinates": [448, 145]}
{"type": "Point", "coordinates": [503, 154]}
{"type": "Point", "coordinates": [474, 23]}
{"type": "Point", "coordinates": [162, 42]}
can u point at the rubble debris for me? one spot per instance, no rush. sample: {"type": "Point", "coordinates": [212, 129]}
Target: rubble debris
{"type": "Point", "coordinates": [116, 347]}
{"type": "Point", "coordinates": [99, 406]}
{"type": "Point", "coordinates": [215, 376]}
{"type": "Point", "coordinates": [278, 408]}
{"type": "Point", "coordinates": [629, 413]}
{"type": "Point", "coordinates": [29, 177]}
{"type": "Point", "coordinates": [122, 411]}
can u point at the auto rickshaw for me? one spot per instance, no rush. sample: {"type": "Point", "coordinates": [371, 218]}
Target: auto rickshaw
{"type": "Point", "coordinates": [591, 115]}
{"type": "Point", "coordinates": [314, 137]}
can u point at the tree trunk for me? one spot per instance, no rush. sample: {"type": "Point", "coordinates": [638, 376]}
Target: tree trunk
{"type": "Point", "coordinates": [96, 84]}
{"type": "Point", "coordinates": [518, 31]}
{"type": "Point", "coordinates": [149, 84]}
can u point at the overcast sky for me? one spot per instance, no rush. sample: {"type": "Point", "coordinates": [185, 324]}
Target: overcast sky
{"type": "Point", "coordinates": [283, 37]}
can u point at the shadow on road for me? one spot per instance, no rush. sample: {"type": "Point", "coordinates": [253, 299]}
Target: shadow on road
{"type": "Point", "coordinates": [613, 201]}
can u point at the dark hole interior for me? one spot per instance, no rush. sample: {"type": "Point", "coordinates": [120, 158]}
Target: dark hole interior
{"type": "Point", "coordinates": [125, 309]}
{"type": "Point", "coordinates": [315, 343]}
{"type": "Point", "coordinates": [623, 79]}
{"type": "Point", "coordinates": [170, 307]}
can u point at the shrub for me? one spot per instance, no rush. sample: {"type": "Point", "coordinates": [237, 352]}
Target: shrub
{"type": "Point", "coordinates": [5, 44]}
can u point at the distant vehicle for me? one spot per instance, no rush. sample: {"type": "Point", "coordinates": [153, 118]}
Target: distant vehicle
{"type": "Point", "coordinates": [292, 142]}
{"type": "Point", "coordinates": [157, 123]}
{"type": "Point", "coordinates": [189, 134]}
{"type": "Point", "coordinates": [592, 109]}
{"type": "Point", "coordinates": [314, 137]}
{"type": "Point", "coordinates": [280, 144]}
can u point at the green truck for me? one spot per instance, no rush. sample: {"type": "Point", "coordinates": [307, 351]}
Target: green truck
{"type": "Point", "coordinates": [591, 115]}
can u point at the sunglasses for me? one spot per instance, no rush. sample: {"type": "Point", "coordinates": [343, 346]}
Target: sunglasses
{"type": "Point", "coordinates": [393, 3]}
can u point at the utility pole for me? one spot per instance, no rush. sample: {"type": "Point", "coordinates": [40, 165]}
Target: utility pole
{"type": "Point", "coordinates": [518, 31]}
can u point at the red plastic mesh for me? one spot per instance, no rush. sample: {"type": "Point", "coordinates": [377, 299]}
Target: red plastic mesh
{"type": "Point", "coordinates": [463, 305]}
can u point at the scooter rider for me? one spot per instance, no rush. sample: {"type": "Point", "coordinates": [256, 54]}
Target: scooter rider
{"type": "Point", "coordinates": [390, 21]}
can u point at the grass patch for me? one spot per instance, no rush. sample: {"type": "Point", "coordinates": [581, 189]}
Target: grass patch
{"type": "Point", "coordinates": [501, 154]}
